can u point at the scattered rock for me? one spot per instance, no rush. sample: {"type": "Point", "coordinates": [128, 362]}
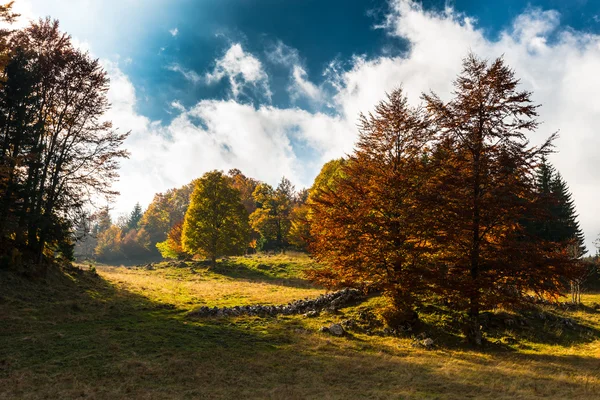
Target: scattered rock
{"type": "Point", "coordinates": [306, 306]}
{"type": "Point", "coordinates": [336, 329]}
{"type": "Point", "coordinates": [312, 314]}
{"type": "Point", "coordinates": [421, 340]}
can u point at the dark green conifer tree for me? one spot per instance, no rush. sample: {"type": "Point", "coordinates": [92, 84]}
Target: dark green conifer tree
{"type": "Point", "coordinates": [559, 224]}
{"type": "Point", "coordinates": [135, 217]}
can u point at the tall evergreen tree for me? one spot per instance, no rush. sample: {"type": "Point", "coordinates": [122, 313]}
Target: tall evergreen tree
{"type": "Point", "coordinates": [565, 223]}
{"type": "Point", "coordinates": [558, 223]}
{"type": "Point", "coordinates": [135, 216]}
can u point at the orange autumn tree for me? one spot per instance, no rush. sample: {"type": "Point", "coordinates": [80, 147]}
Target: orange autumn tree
{"type": "Point", "coordinates": [365, 224]}
{"type": "Point", "coordinates": [483, 194]}
{"type": "Point", "coordinates": [172, 248]}
{"type": "Point", "coordinates": [442, 201]}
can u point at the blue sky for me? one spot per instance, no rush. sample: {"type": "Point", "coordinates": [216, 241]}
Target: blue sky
{"type": "Point", "coordinates": [139, 34]}
{"type": "Point", "coordinates": [274, 87]}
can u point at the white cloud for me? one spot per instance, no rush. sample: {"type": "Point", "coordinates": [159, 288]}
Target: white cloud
{"type": "Point", "coordinates": [177, 106]}
{"type": "Point", "coordinates": [188, 74]}
{"type": "Point", "coordinates": [174, 32]}
{"type": "Point", "coordinates": [241, 69]}
{"type": "Point", "coordinates": [264, 142]}
{"type": "Point", "coordinates": [300, 85]}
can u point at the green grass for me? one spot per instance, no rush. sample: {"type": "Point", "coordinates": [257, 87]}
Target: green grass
{"type": "Point", "coordinates": [125, 334]}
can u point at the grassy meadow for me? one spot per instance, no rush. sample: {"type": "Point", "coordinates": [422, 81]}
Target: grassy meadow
{"type": "Point", "coordinates": [123, 333]}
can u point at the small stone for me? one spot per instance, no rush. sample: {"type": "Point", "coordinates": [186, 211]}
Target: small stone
{"type": "Point", "coordinates": [312, 314]}
{"type": "Point", "coordinates": [428, 342]}
{"type": "Point", "coordinates": [336, 329]}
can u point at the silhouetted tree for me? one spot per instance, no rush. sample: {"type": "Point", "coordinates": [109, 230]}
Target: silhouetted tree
{"type": "Point", "coordinates": [57, 151]}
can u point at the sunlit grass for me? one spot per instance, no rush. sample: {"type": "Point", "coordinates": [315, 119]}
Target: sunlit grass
{"type": "Point", "coordinates": [238, 281]}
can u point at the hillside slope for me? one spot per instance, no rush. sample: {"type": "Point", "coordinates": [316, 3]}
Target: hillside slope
{"type": "Point", "coordinates": [126, 333]}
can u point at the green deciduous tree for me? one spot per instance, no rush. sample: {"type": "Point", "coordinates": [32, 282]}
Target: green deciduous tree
{"type": "Point", "coordinates": [216, 222]}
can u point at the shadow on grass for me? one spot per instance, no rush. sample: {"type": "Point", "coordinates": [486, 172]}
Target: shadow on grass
{"type": "Point", "coordinates": [78, 335]}
{"type": "Point", "coordinates": [505, 330]}
{"type": "Point", "coordinates": [272, 274]}
{"type": "Point", "coordinates": [125, 262]}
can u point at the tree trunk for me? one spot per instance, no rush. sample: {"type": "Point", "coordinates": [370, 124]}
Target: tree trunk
{"type": "Point", "coordinates": [473, 326]}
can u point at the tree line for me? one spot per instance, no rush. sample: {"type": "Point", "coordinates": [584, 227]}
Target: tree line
{"type": "Point", "coordinates": [218, 214]}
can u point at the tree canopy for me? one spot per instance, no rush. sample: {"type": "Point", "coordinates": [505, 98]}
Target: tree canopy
{"type": "Point", "coordinates": [216, 222]}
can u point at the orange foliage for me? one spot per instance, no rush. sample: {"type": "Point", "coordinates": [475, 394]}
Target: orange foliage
{"type": "Point", "coordinates": [439, 201]}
